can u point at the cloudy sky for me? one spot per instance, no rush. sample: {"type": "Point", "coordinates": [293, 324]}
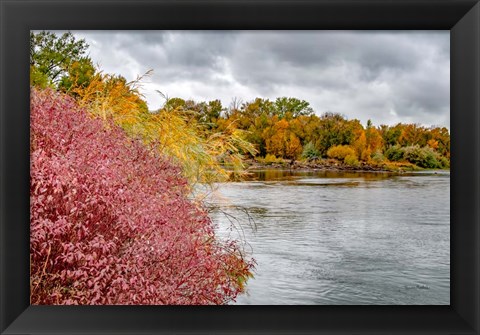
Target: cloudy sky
{"type": "Point", "coordinates": [387, 77]}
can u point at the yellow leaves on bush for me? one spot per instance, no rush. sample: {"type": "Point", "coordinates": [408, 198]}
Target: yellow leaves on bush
{"type": "Point", "coordinates": [271, 159]}
{"type": "Point", "coordinates": [340, 152]}
{"type": "Point", "coordinates": [112, 97]}
{"type": "Point", "coordinates": [204, 158]}
{"type": "Point", "coordinates": [366, 155]}
{"type": "Point", "coordinates": [351, 160]}
{"type": "Point", "coordinates": [228, 148]}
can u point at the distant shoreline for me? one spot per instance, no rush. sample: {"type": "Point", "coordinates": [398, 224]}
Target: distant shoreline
{"type": "Point", "coordinates": [332, 165]}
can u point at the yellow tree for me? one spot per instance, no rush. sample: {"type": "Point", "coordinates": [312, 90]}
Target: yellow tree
{"type": "Point", "coordinates": [374, 140]}
{"type": "Point", "coordinates": [411, 134]}
{"type": "Point", "coordinates": [282, 141]}
{"type": "Point", "coordinates": [442, 138]}
{"type": "Point", "coordinates": [432, 143]}
{"type": "Point", "coordinates": [360, 142]}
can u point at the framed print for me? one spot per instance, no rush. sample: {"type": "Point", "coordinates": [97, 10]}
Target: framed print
{"type": "Point", "coordinates": [116, 147]}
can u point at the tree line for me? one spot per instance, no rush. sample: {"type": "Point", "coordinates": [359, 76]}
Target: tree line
{"type": "Point", "coordinates": [288, 128]}
{"type": "Point", "coordinates": [285, 128]}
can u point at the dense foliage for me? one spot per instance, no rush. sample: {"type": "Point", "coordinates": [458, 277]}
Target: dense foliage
{"type": "Point", "coordinates": [291, 136]}
{"type": "Point", "coordinates": [111, 218]}
{"type": "Point", "coordinates": [205, 136]}
{"type": "Point", "coordinates": [58, 60]}
{"type": "Point", "coordinates": [111, 222]}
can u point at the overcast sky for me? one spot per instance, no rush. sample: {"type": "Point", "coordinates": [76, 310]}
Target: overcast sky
{"type": "Point", "coordinates": [388, 77]}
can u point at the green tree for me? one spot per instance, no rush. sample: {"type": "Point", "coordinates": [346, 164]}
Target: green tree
{"type": "Point", "coordinates": [291, 107]}
{"type": "Point", "coordinates": [79, 74]}
{"type": "Point", "coordinates": [391, 134]}
{"type": "Point", "coordinates": [210, 113]}
{"type": "Point", "coordinates": [53, 56]}
{"type": "Point", "coordinates": [37, 78]}
{"type": "Point", "coordinates": [334, 129]}
{"type": "Point", "coordinates": [174, 103]}
{"type": "Point", "coordinates": [310, 152]}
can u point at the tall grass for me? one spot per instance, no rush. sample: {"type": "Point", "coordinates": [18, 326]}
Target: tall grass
{"type": "Point", "coordinates": [204, 157]}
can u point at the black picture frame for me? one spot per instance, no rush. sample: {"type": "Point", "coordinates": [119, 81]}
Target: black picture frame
{"type": "Point", "coordinates": [461, 17]}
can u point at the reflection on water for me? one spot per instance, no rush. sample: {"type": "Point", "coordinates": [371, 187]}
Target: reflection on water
{"type": "Point", "coordinates": [276, 174]}
{"type": "Point", "coordinates": [341, 237]}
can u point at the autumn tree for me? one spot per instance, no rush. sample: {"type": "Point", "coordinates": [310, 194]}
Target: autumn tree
{"type": "Point", "coordinates": [281, 141]}
{"type": "Point", "coordinates": [411, 134]}
{"type": "Point", "coordinates": [360, 141]}
{"type": "Point", "coordinates": [374, 141]}
{"type": "Point", "coordinates": [333, 129]}
{"type": "Point", "coordinates": [441, 139]}
{"type": "Point", "coordinates": [253, 117]}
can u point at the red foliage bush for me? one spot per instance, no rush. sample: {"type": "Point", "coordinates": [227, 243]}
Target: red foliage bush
{"type": "Point", "coordinates": [111, 222]}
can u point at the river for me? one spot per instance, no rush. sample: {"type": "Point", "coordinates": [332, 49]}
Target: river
{"type": "Point", "coordinates": [340, 238]}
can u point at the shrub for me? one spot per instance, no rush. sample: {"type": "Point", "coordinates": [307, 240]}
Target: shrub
{"type": "Point", "coordinates": [366, 155]}
{"type": "Point", "coordinates": [111, 221]}
{"type": "Point", "coordinates": [395, 153]}
{"type": "Point", "coordinates": [270, 159]}
{"type": "Point", "coordinates": [351, 160]}
{"type": "Point", "coordinates": [423, 157]}
{"type": "Point", "coordinates": [445, 163]}
{"type": "Point", "coordinates": [310, 152]}
{"type": "Point", "coordinates": [378, 157]}
{"type": "Point", "coordinates": [400, 166]}
{"type": "Point", "coordinates": [340, 152]}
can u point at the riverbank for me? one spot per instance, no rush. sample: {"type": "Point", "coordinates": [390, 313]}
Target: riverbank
{"type": "Point", "coordinates": [331, 165]}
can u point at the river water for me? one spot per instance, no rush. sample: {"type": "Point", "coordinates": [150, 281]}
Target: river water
{"type": "Point", "coordinates": [340, 238]}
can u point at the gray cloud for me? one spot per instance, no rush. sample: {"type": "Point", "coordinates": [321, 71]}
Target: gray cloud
{"type": "Point", "coordinates": [388, 76]}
